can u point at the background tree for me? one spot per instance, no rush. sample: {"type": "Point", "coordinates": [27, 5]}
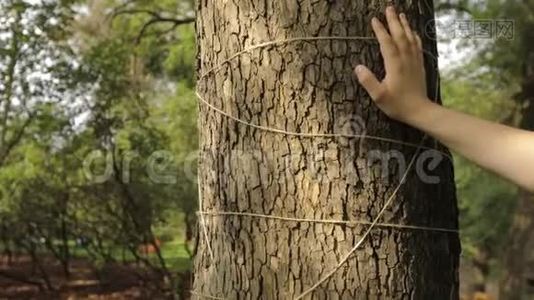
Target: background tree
{"type": "Point", "coordinates": [81, 80]}
{"type": "Point", "coordinates": [501, 66]}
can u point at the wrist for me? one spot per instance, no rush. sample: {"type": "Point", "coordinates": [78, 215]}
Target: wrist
{"type": "Point", "coordinates": [421, 113]}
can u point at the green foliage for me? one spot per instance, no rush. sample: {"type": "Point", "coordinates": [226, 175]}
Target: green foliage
{"type": "Point", "coordinates": [486, 202]}
{"type": "Point", "coordinates": [124, 95]}
{"type": "Point", "coordinates": [489, 86]}
{"type": "Point", "coordinates": [110, 83]}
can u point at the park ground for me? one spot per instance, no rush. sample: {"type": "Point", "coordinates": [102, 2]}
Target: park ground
{"type": "Point", "coordinates": [118, 280]}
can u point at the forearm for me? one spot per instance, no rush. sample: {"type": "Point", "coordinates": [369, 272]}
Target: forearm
{"type": "Point", "coordinates": [504, 150]}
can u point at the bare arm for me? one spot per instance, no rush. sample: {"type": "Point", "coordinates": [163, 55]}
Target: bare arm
{"type": "Point", "coordinates": [507, 151]}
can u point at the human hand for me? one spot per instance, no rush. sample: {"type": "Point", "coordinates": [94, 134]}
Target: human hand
{"type": "Point", "coordinates": [403, 91]}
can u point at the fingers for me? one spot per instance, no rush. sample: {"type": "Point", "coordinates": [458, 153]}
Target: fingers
{"type": "Point", "coordinates": [397, 31]}
{"type": "Point", "coordinates": [420, 52]}
{"type": "Point", "coordinates": [387, 45]}
{"type": "Point", "coordinates": [407, 29]}
{"type": "Point", "coordinates": [419, 42]}
{"type": "Point", "coordinates": [369, 81]}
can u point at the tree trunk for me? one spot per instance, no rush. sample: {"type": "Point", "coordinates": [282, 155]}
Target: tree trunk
{"type": "Point", "coordinates": [514, 280]}
{"type": "Point", "coordinates": [308, 87]}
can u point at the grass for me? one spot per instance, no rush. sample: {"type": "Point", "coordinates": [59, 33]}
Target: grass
{"type": "Point", "coordinates": [174, 253]}
{"type": "Point", "coordinates": [176, 256]}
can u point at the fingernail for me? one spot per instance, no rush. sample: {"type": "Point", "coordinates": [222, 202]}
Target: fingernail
{"type": "Point", "coordinates": [391, 8]}
{"type": "Point", "coordinates": [402, 15]}
{"type": "Point", "coordinates": [359, 69]}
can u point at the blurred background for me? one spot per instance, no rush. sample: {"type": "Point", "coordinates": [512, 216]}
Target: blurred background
{"type": "Point", "coordinates": [98, 139]}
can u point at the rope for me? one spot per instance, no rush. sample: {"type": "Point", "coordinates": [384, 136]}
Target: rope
{"type": "Point", "coordinates": [302, 134]}
{"type": "Point", "coordinates": [317, 135]}
{"type": "Point", "coordinates": [202, 220]}
{"type": "Point", "coordinates": [285, 41]}
{"type": "Point", "coordinates": [205, 296]}
{"type": "Point", "coordinates": [324, 221]}
{"type": "Point", "coordinates": [375, 222]}
{"type": "Point", "coordinates": [367, 232]}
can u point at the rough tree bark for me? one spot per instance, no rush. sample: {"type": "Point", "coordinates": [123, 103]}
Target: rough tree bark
{"type": "Point", "coordinates": [308, 86]}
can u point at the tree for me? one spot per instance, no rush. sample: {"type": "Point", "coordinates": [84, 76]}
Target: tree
{"type": "Point", "coordinates": [486, 202]}
{"type": "Point", "coordinates": [500, 66]}
{"type": "Point", "coordinates": [307, 86]}
{"type": "Point", "coordinates": [36, 97]}
{"type": "Point", "coordinates": [508, 62]}
{"type": "Point", "coordinates": [79, 77]}
{"type": "Point", "coordinates": [519, 255]}
{"type": "Point", "coordinates": [33, 65]}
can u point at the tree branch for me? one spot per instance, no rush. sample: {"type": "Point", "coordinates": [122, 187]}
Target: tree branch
{"type": "Point", "coordinates": [153, 21]}
{"type": "Point", "coordinates": [118, 13]}
{"type": "Point", "coordinates": [4, 152]}
{"type": "Point", "coordinates": [156, 18]}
